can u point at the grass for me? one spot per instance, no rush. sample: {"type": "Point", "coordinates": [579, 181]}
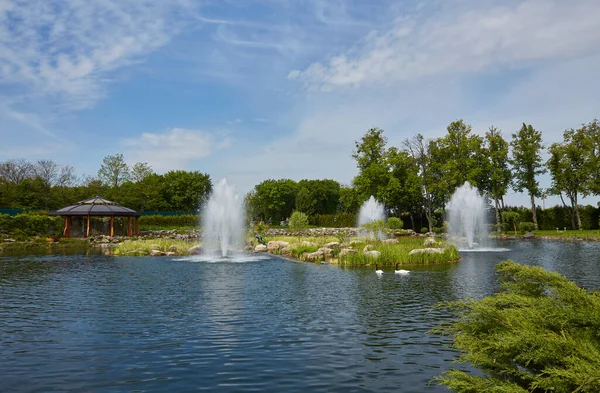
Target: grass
{"type": "Point", "coordinates": [144, 247]}
{"type": "Point", "coordinates": [390, 253]}
{"type": "Point", "coordinates": [167, 228]}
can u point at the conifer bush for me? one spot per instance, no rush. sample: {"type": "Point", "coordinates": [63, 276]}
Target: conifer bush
{"type": "Point", "coordinates": [539, 333]}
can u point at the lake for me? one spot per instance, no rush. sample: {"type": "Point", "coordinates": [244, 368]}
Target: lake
{"type": "Point", "coordinates": [93, 323]}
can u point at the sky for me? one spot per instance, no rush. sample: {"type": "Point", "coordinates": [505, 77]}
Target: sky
{"type": "Point", "coordinates": [266, 89]}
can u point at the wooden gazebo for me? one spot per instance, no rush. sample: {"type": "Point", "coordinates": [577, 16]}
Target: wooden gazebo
{"type": "Point", "coordinates": [85, 211]}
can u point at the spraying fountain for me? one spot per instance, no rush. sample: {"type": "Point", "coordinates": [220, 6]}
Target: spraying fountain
{"type": "Point", "coordinates": [467, 213]}
{"type": "Point", "coordinates": [371, 210]}
{"type": "Point", "coordinates": [223, 221]}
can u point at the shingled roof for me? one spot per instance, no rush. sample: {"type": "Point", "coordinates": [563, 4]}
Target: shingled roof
{"type": "Point", "coordinates": [96, 207]}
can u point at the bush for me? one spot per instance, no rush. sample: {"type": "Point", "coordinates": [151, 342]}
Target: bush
{"type": "Point", "coordinates": [341, 220]}
{"type": "Point", "coordinates": [298, 220]}
{"type": "Point", "coordinates": [23, 226]}
{"type": "Point", "coordinates": [438, 230]}
{"type": "Point", "coordinates": [158, 221]}
{"type": "Point", "coordinates": [394, 223]}
{"type": "Point", "coordinates": [424, 230]}
{"type": "Point", "coordinates": [539, 333]}
{"type": "Point", "coordinates": [374, 228]}
{"type": "Point", "coordinates": [526, 227]}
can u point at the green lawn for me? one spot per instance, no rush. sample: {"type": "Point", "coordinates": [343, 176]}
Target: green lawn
{"type": "Point", "coordinates": [594, 233]}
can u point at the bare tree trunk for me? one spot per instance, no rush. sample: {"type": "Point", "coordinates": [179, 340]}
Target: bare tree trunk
{"type": "Point", "coordinates": [535, 223]}
{"type": "Point", "coordinates": [576, 210]}
{"type": "Point", "coordinates": [496, 208]}
{"type": "Point", "coordinates": [502, 200]}
{"type": "Point", "coordinates": [412, 222]}
{"type": "Point", "coordinates": [570, 210]}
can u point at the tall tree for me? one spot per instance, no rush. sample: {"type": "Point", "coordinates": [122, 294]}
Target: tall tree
{"type": "Point", "coordinates": [16, 170]}
{"type": "Point", "coordinates": [419, 150]}
{"type": "Point", "coordinates": [114, 170]}
{"type": "Point", "coordinates": [373, 172]}
{"type": "Point", "coordinates": [592, 132]}
{"type": "Point", "coordinates": [527, 163]}
{"type": "Point", "coordinates": [140, 171]}
{"type": "Point", "coordinates": [498, 169]}
{"type": "Point", "coordinates": [272, 200]}
{"type": "Point", "coordinates": [570, 167]}
{"type": "Point", "coordinates": [47, 171]}
{"type": "Point", "coordinates": [185, 191]}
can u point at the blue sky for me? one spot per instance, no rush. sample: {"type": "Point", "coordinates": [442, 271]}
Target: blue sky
{"type": "Point", "coordinates": [258, 89]}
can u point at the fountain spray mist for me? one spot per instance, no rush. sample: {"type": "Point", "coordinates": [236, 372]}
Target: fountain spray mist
{"type": "Point", "coordinates": [223, 220]}
{"type": "Point", "coordinates": [371, 210]}
{"type": "Point", "coordinates": [467, 214]}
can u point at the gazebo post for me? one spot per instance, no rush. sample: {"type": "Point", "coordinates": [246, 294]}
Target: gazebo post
{"type": "Point", "coordinates": [88, 226]}
{"type": "Point", "coordinates": [112, 226]}
{"type": "Point", "coordinates": [137, 226]}
{"type": "Point", "coordinates": [67, 231]}
{"type": "Point", "coordinates": [129, 226]}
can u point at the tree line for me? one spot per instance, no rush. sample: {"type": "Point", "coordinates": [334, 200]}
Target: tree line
{"type": "Point", "coordinates": [419, 177]}
{"type": "Point", "coordinates": [45, 185]}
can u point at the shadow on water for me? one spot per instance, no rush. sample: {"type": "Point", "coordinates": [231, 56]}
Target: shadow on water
{"type": "Point", "coordinates": [98, 323]}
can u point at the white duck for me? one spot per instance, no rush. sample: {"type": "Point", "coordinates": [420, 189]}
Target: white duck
{"type": "Point", "coordinates": [401, 271]}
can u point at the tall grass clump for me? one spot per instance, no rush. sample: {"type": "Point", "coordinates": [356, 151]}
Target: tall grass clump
{"type": "Point", "coordinates": [145, 247]}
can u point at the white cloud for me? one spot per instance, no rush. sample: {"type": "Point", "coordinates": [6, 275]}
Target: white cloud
{"type": "Point", "coordinates": [458, 39]}
{"type": "Point", "coordinates": [65, 50]}
{"type": "Point", "coordinates": [177, 148]}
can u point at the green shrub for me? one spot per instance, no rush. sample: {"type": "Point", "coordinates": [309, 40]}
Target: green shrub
{"type": "Point", "coordinates": [394, 223]}
{"type": "Point", "coordinates": [374, 228]}
{"type": "Point", "coordinates": [526, 227]}
{"type": "Point", "coordinates": [157, 221]}
{"type": "Point", "coordinates": [23, 226]}
{"type": "Point", "coordinates": [424, 230]}
{"type": "Point", "coordinates": [298, 220]}
{"type": "Point", "coordinates": [340, 220]}
{"type": "Point", "coordinates": [538, 334]}
{"type": "Point", "coordinates": [437, 230]}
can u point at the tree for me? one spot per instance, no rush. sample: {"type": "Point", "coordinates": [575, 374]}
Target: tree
{"type": "Point", "coordinates": [592, 132]}
{"type": "Point", "coordinates": [498, 171]}
{"type": "Point", "coordinates": [420, 151]}
{"type": "Point", "coordinates": [140, 171]}
{"type": "Point", "coordinates": [527, 163]}
{"type": "Point", "coordinates": [272, 200]}
{"type": "Point", "coordinates": [539, 333]}
{"type": "Point", "coordinates": [569, 166]}
{"type": "Point", "coordinates": [185, 191]}
{"type": "Point", "coordinates": [456, 159]}
{"type": "Point", "coordinates": [373, 173]}
{"type": "Point", "coordinates": [298, 221]}
{"type": "Point", "coordinates": [510, 217]}
{"type": "Point", "coordinates": [47, 171]}
{"type": "Point", "coordinates": [324, 194]}
{"type": "Point", "coordinates": [16, 170]}
{"type": "Point", "coordinates": [114, 170]}
{"type": "Point", "coordinates": [305, 202]}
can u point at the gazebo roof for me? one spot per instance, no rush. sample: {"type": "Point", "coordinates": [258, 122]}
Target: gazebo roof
{"type": "Point", "coordinates": [95, 207]}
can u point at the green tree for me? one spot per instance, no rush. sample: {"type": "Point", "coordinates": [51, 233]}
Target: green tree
{"type": "Point", "coordinates": [373, 172]}
{"type": "Point", "coordinates": [511, 217]}
{"type": "Point", "coordinates": [527, 163]}
{"type": "Point", "coordinates": [140, 171]}
{"type": "Point", "coordinates": [539, 333]}
{"type": "Point", "coordinates": [114, 170]}
{"type": "Point", "coordinates": [305, 202]}
{"type": "Point", "coordinates": [592, 132]}
{"type": "Point", "coordinates": [325, 194]}
{"type": "Point", "coordinates": [569, 166]}
{"type": "Point", "coordinates": [498, 167]}
{"type": "Point", "coordinates": [272, 200]}
{"type": "Point", "coordinates": [185, 190]}
{"type": "Point", "coordinates": [298, 221]}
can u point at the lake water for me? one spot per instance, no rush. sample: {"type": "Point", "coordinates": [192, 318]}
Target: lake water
{"type": "Point", "coordinates": [104, 324]}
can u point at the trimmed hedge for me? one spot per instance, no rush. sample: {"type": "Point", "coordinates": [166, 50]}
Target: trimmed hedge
{"type": "Point", "coordinates": [340, 220]}
{"type": "Point", "coordinates": [22, 226]}
{"type": "Point", "coordinates": [187, 220]}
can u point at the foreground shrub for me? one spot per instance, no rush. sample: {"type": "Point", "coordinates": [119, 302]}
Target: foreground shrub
{"type": "Point", "coordinates": [424, 230]}
{"type": "Point", "coordinates": [539, 333]}
{"type": "Point", "coordinates": [526, 227]}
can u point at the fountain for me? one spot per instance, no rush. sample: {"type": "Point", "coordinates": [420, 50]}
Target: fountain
{"type": "Point", "coordinates": [371, 210]}
{"type": "Point", "coordinates": [223, 220]}
{"type": "Point", "coordinates": [467, 218]}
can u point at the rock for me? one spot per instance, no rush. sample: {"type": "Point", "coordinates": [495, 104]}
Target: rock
{"type": "Point", "coordinates": [354, 242]}
{"type": "Point", "coordinates": [170, 254]}
{"type": "Point", "coordinates": [195, 250]}
{"type": "Point", "coordinates": [372, 254]}
{"type": "Point", "coordinates": [426, 251]}
{"type": "Point", "coordinates": [286, 251]}
{"type": "Point", "coordinates": [260, 248]}
{"type": "Point", "coordinates": [106, 245]}
{"type": "Point", "coordinates": [368, 247]}
{"type": "Point", "coordinates": [276, 245]}
{"type": "Point", "coordinates": [307, 244]}
{"type": "Point", "coordinates": [173, 248]}
{"type": "Point", "coordinates": [156, 253]}
{"type": "Point", "coordinates": [249, 248]}
{"type": "Point", "coordinates": [334, 245]}
{"type": "Point", "coordinates": [346, 251]}
{"type": "Point", "coordinates": [430, 241]}
{"type": "Point", "coordinates": [327, 252]}
{"type": "Point", "coordinates": [313, 256]}
{"type": "Point", "coordinates": [391, 241]}
{"type": "Point", "coordinates": [154, 247]}
{"type": "Point", "coordinates": [529, 235]}
{"type": "Point", "coordinates": [8, 240]}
